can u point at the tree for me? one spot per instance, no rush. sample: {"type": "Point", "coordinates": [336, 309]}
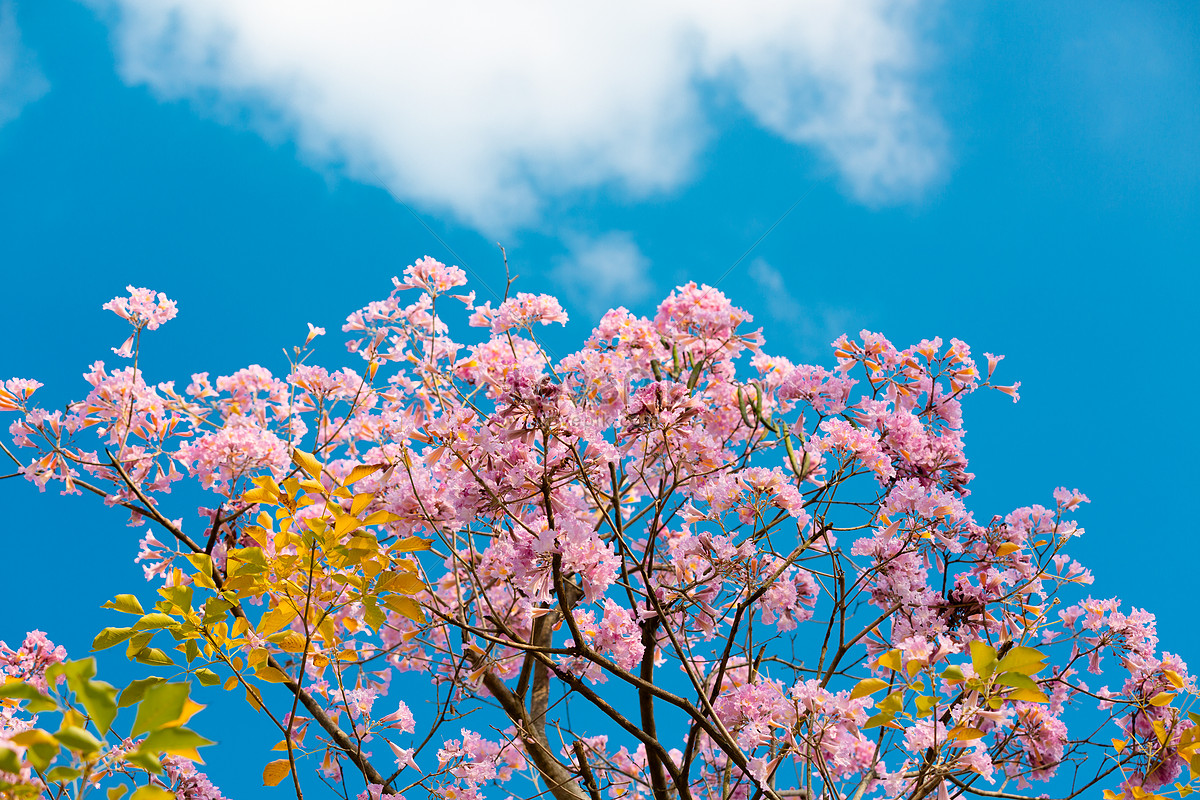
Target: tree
{"type": "Point", "coordinates": [667, 565]}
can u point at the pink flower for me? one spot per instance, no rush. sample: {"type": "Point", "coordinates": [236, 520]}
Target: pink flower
{"type": "Point", "coordinates": [521, 311]}
{"type": "Point", "coordinates": [401, 719]}
{"type": "Point", "coordinates": [432, 276]}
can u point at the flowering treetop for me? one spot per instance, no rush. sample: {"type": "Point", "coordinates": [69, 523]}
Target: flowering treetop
{"type": "Point", "coordinates": [747, 578]}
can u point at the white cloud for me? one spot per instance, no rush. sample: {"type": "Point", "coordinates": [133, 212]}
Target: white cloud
{"type": "Point", "coordinates": [813, 327]}
{"type": "Point", "coordinates": [21, 82]}
{"type": "Point", "coordinates": [486, 110]}
{"type": "Point", "coordinates": [602, 272]}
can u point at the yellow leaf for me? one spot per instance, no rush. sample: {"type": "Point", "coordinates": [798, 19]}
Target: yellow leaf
{"type": "Point", "coordinates": [866, 687]}
{"type": "Point", "coordinates": [983, 658]}
{"type": "Point", "coordinates": [411, 544]}
{"type": "Point", "coordinates": [231, 683]}
{"type": "Point", "coordinates": [270, 675]}
{"type": "Point", "coordinates": [953, 674]}
{"type": "Point", "coordinates": [380, 517]}
{"type": "Point", "coordinates": [32, 736]}
{"type": "Point", "coordinates": [275, 772]}
{"type": "Point", "coordinates": [126, 603]}
{"type": "Point", "coordinates": [308, 463]}
{"type": "Point", "coordinates": [1028, 695]}
{"type": "Point", "coordinates": [884, 720]}
{"type": "Point", "coordinates": [893, 703]}
{"type": "Point", "coordinates": [890, 660]}
{"type": "Point", "coordinates": [1162, 699]}
{"type": "Point", "coordinates": [406, 606]}
{"type": "Point", "coordinates": [152, 792]}
{"type": "Point", "coordinates": [405, 583]}
{"type": "Point", "coordinates": [275, 619]}
{"type": "Point", "coordinates": [360, 502]}
{"type": "Point", "coordinates": [313, 486]}
{"type": "Point", "coordinates": [290, 642]}
{"type": "Point", "coordinates": [361, 471]}
{"type": "Point", "coordinates": [1006, 549]}
{"type": "Point", "coordinates": [925, 704]}
{"type": "Point", "coordinates": [1119, 745]}
{"type": "Point", "coordinates": [345, 524]}
{"type": "Point", "coordinates": [190, 709]}
{"type": "Point", "coordinates": [965, 734]}
{"type": "Point", "coordinates": [1174, 678]}
{"type": "Point", "coordinates": [259, 496]}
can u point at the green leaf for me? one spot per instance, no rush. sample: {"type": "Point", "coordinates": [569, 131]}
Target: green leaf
{"type": "Point", "coordinates": [954, 674]}
{"type": "Point", "coordinates": [1024, 688]}
{"type": "Point", "coordinates": [178, 598]}
{"type": "Point", "coordinates": [983, 659]}
{"type": "Point", "coordinates": [1025, 660]}
{"type": "Point", "coordinates": [98, 697]}
{"type": "Point", "coordinates": [138, 642]}
{"type": "Point", "coordinates": [147, 761]}
{"type": "Point", "coordinates": [111, 637]}
{"type": "Point", "coordinates": [154, 620]}
{"type": "Point", "coordinates": [1017, 681]}
{"type": "Point", "coordinates": [126, 603]}
{"type": "Point", "coordinates": [152, 656]}
{"type": "Point", "coordinates": [9, 761]}
{"type": "Point", "coordinates": [40, 747]}
{"type": "Point", "coordinates": [62, 774]}
{"type": "Point", "coordinates": [23, 691]}
{"type": "Point", "coordinates": [374, 617]}
{"type": "Point", "coordinates": [215, 609]}
{"type": "Point", "coordinates": [893, 703]}
{"type": "Point", "coordinates": [174, 741]}
{"type": "Point", "coordinates": [207, 677]}
{"type": "Point", "coordinates": [163, 704]}
{"type": "Point", "coordinates": [78, 739]}
{"type": "Point", "coordinates": [925, 704]}
{"type": "Point", "coordinates": [117, 792]}
{"type": "Point", "coordinates": [883, 718]}
{"type": "Point", "coordinates": [135, 691]}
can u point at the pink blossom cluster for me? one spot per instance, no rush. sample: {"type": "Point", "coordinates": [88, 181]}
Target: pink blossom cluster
{"type": "Point", "coordinates": [667, 524]}
{"type": "Point", "coordinates": [30, 661]}
{"type": "Point", "coordinates": [519, 312]}
{"type": "Point", "coordinates": [187, 782]}
{"type": "Point", "coordinates": [143, 309]}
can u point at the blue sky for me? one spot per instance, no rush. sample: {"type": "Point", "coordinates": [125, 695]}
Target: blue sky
{"type": "Point", "coordinates": [1025, 177]}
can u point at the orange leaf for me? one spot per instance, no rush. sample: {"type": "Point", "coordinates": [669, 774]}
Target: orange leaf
{"type": "Point", "coordinates": [275, 772]}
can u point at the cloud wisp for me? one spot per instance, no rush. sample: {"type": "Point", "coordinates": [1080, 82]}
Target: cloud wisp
{"type": "Point", "coordinates": [21, 81]}
{"type": "Point", "coordinates": [600, 272]}
{"type": "Point", "coordinates": [814, 328]}
{"type": "Point", "coordinates": [487, 111]}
